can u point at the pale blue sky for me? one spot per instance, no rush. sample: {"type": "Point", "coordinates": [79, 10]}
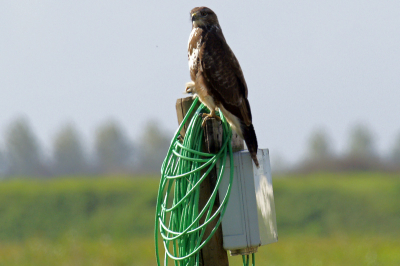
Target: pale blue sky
{"type": "Point", "coordinates": [308, 64]}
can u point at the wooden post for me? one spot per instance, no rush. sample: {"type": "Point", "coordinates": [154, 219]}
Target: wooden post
{"type": "Point", "coordinates": [213, 252]}
{"type": "Point", "coordinates": [182, 106]}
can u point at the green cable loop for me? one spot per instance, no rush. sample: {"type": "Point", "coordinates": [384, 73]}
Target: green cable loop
{"type": "Point", "coordinates": [177, 210]}
{"type": "Point", "coordinates": [246, 260]}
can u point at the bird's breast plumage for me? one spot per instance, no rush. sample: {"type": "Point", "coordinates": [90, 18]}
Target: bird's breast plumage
{"type": "Point", "coordinates": [194, 46]}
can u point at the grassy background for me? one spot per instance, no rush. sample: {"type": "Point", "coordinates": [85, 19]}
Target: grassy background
{"type": "Point", "coordinates": [323, 219]}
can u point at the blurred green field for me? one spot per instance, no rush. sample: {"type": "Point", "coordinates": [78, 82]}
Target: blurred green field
{"type": "Point", "coordinates": [323, 219]}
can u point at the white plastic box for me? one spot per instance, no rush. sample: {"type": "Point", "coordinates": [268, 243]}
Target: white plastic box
{"type": "Point", "coordinates": [249, 220]}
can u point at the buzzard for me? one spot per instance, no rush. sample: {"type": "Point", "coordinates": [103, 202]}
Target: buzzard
{"type": "Point", "coordinates": [217, 78]}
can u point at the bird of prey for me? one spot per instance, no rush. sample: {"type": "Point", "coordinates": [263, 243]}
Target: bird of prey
{"type": "Point", "coordinates": [217, 78]}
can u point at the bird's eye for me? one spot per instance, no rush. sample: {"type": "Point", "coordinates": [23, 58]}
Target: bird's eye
{"type": "Point", "coordinates": [203, 14]}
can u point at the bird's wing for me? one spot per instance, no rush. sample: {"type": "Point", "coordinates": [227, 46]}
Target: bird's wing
{"type": "Point", "coordinates": [224, 76]}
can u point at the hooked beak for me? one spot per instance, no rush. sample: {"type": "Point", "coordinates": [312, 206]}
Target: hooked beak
{"type": "Point", "coordinates": [194, 16]}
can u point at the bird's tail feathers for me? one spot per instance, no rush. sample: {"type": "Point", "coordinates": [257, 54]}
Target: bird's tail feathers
{"type": "Point", "coordinates": [249, 136]}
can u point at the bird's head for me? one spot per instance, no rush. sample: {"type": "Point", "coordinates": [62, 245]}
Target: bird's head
{"type": "Point", "coordinates": [203, 17]}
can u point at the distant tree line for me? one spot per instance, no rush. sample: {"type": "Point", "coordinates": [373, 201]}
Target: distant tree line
{"type": "Point", "coordinates": [361, 153]}
{"type": "Point", "coordinates": [112, 151]}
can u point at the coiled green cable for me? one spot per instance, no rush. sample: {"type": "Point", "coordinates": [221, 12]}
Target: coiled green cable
{"type": "Point", "coordinates": [177, 211]}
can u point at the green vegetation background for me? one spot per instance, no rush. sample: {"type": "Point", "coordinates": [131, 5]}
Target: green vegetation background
{"type": "Point", "coordinates": [323, 219]}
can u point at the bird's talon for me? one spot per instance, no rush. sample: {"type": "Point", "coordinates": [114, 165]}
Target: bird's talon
{"type": "Point", "coordinates": [190, 87]}
{"type": "Point", "coordinates": [207, 116]}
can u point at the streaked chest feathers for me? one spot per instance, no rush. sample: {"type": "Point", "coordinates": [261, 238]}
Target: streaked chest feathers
{"type": "Point", "coordinates": [194, 49]}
